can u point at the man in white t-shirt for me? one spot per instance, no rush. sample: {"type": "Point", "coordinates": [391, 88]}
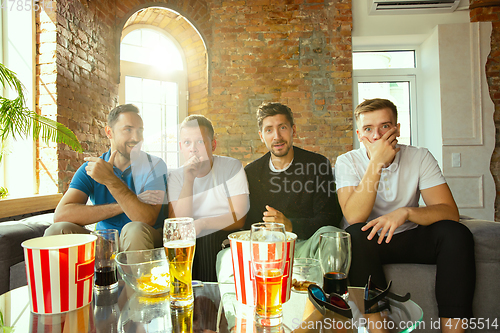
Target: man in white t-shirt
{"type": "Point", "coordinates": [209, 188]}
{"type": "Point", "coordinates": [379, 187]}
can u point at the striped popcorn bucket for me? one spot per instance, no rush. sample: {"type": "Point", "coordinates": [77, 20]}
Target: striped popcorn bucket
{"type": "Point", "coordinates": [60, 272]}
{"type": "Point", "coordinates": [246, 291]}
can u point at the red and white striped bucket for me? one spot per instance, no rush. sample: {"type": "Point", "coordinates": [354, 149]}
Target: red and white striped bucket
{"type": "Point", "coordinates": [60, 272]}
{"type": "Point", "coordinates": [244, 279]}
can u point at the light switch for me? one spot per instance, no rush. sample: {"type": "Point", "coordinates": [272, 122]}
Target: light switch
{"type": "Point", "coordinates": [455, 160]}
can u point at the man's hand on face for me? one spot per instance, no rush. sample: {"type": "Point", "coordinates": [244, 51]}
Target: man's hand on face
{"type": "Point", "coordinates": [100, 170]}
{"type": "Point", "coordinates": [273, 215]}
{"type": "Point", "coordinates": [384, 150]}
{"type": "Point", "coordinates": [387, 223]}
{"type": "Point", "coordinates": [192, 167]}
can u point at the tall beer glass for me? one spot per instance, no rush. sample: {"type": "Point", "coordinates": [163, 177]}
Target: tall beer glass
{"type": "Point", "coordinates": [268, 254]}
{"type": "Point", "coordinates": [179, 239]}
{"type": "Point", "coordinates": [335, 260]}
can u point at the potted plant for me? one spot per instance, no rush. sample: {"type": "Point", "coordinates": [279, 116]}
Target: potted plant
{"type": "Point", "coordinates": [16, 120]}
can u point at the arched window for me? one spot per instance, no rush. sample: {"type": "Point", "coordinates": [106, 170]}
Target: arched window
{"type": "Point", "coordinates": [153, 76]}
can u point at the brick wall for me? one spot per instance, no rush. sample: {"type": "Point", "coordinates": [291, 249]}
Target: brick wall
{"type": "Point", "coordinates": [297, 52]}
{"type": "Point", "coordinates": [294, 52]}
{"type": "Point", "coordinates": [78, 80]}
{"type": "Point", "coordinates": [480, 13]}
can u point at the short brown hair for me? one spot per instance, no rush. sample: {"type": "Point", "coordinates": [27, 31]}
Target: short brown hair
{"type": "Point", "coordinates": [271, 109]}
{"type": "Point", "coordinates": [369, 105]}
{"type": "Point", "coordinates": [201, 121]}
{"type": "Point", "coordinates": [117, 111]}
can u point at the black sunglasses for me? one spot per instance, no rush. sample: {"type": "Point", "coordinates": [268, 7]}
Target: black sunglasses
{"type": "Point", "coordinates": [377, 300]}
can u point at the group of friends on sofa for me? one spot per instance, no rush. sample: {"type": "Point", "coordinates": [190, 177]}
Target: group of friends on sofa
{"type": "Point", "coordinates": [374, 195]}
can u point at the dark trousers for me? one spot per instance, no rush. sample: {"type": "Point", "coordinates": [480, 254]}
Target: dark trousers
{"type": "Point", "coordinates": [205, 255]}
{"type": "Point", "coordinates": [447, 244]}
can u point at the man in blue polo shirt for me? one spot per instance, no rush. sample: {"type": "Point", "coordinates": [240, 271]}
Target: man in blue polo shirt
{"type": "Point", "coordinates": [118, 184]}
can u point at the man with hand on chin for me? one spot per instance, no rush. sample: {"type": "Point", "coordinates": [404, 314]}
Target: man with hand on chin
{"type": "Point", "coordinates": [288, 184]}
{"type": "Point", "coordinates": [211, 189]}
{"type": "Point", "coordinates": [379, 186]}
{"type": "Point", "coordinates": [115, 184]}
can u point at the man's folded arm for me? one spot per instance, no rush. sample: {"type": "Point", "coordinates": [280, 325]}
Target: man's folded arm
{"type": "Point", "coordinates": [357, 201]}
{"type": "Point", "coordinates": [73, 208]}
{"type": "Point", "coordinates": [135, 209]}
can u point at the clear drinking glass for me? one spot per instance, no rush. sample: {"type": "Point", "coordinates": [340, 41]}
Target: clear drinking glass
{"type": "Point", "coordinates": [305, 272]}
{"type": "Point", "coordinates": [335, 260]}
{"type": "Point", "coordinates": [268, 255]}
{"type": "Point", "coordinates": [106, 249]}
{"type": "Point", "coordinates": [179, 240]}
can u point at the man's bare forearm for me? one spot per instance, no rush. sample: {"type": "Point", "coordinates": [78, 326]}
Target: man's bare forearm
{"type": "Point", "coordinates": [430, 214]}
{"type": "Point", "coordinates": [360, 203]}
{"type": "Point", "coordinates": [135, 209]}
{"type": "Point", "coordinates": [83, 214]}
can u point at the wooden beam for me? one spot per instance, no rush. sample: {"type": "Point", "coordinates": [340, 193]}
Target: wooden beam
{"type": "Point", "coordinates": [26, 205]}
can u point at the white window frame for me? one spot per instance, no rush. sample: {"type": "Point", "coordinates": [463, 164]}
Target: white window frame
{"type": "Point", "coordinates": [388, 75]}
{"type": "Point", "coordinates": [144, 71]}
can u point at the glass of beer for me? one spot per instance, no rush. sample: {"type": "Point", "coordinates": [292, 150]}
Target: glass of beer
{"type": "Point", "coordinates": [179, 239]}
{"type": "Point", "coordinates": [335, 260]}
{"type": "Point", "coordinates": [268, 255]}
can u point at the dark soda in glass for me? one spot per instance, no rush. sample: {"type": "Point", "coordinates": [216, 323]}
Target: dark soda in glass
{"type": "Point", "coordinates": [335, 282]}
{"type": "Point", "coordinates": [105, 276]}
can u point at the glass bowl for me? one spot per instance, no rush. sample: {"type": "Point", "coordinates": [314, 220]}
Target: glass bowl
{"type": "Point", "coordinates": [305, 272]}
{"type": "Point", "coordinates": [145, 271]}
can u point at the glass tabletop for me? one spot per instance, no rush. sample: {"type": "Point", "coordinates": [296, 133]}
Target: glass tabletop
{"type": "Point", "coordinates": [215, 310]}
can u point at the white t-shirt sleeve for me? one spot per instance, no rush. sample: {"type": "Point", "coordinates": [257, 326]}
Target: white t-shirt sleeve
{"type": "Point", "coordinates": [174, 184]}
{"type": "Point", "coordinates": [430, 173]}
{"type": "Point", "coordinates": [238, 184]}
{"type": "Point", "coordinates": [345, 172]}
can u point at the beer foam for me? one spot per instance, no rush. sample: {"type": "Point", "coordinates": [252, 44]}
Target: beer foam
{"type": "Point", "coordinates": [179, 243]}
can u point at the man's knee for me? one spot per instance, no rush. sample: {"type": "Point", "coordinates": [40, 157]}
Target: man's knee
{"type": "Point", "coordinates": [454, 232]}
{"type": "Point", "coordinates": [137, 236]}
{"type": "Point", "coordinates": [356, 233]}
{"type": "Point", "coordinates": [133, 228]}
{"type": "Point", "coordinates": [61, 228]}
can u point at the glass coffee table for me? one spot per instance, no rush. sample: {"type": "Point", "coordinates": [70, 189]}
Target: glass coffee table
{"type": "Point", "coordinates": [121, 310]}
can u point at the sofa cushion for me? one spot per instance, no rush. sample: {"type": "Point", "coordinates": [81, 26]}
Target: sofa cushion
{"type": "Point", "coordinates": [486, 236]}
{"type": "Point", "coordinates": [18, 275]}
{"type": "Point", "coordinates": [12, 234]}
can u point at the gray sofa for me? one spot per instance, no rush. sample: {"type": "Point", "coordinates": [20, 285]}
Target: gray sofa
{"type": "Point", "coordinates": [12, 234]}
{"type": "Point", "coordinates": [417, 279]}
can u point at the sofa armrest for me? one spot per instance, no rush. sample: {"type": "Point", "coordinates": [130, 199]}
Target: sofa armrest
{"type": "Point", "coordinates": [486, 235]}
{"type": "Point", "coordinates": [12, 234]}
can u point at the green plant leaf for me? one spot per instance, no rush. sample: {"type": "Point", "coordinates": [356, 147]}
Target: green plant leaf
{"type": "Point", "coordinates": [18, 120]}
{"type": "Point", "coordinates": [4, 329]}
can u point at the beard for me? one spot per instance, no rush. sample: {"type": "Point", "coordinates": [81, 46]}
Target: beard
{"type": "Point", "coordinates": [123, 149]}
{"type": "Point", "coordinates": [283, 152]}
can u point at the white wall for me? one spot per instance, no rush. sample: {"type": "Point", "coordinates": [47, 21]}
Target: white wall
{"type": "Point", "coordinates": [400, 30]}
{"type": "Point", "coordinates": [467, 116]}
{"type": "Point", "coordinates": [429, 97]}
